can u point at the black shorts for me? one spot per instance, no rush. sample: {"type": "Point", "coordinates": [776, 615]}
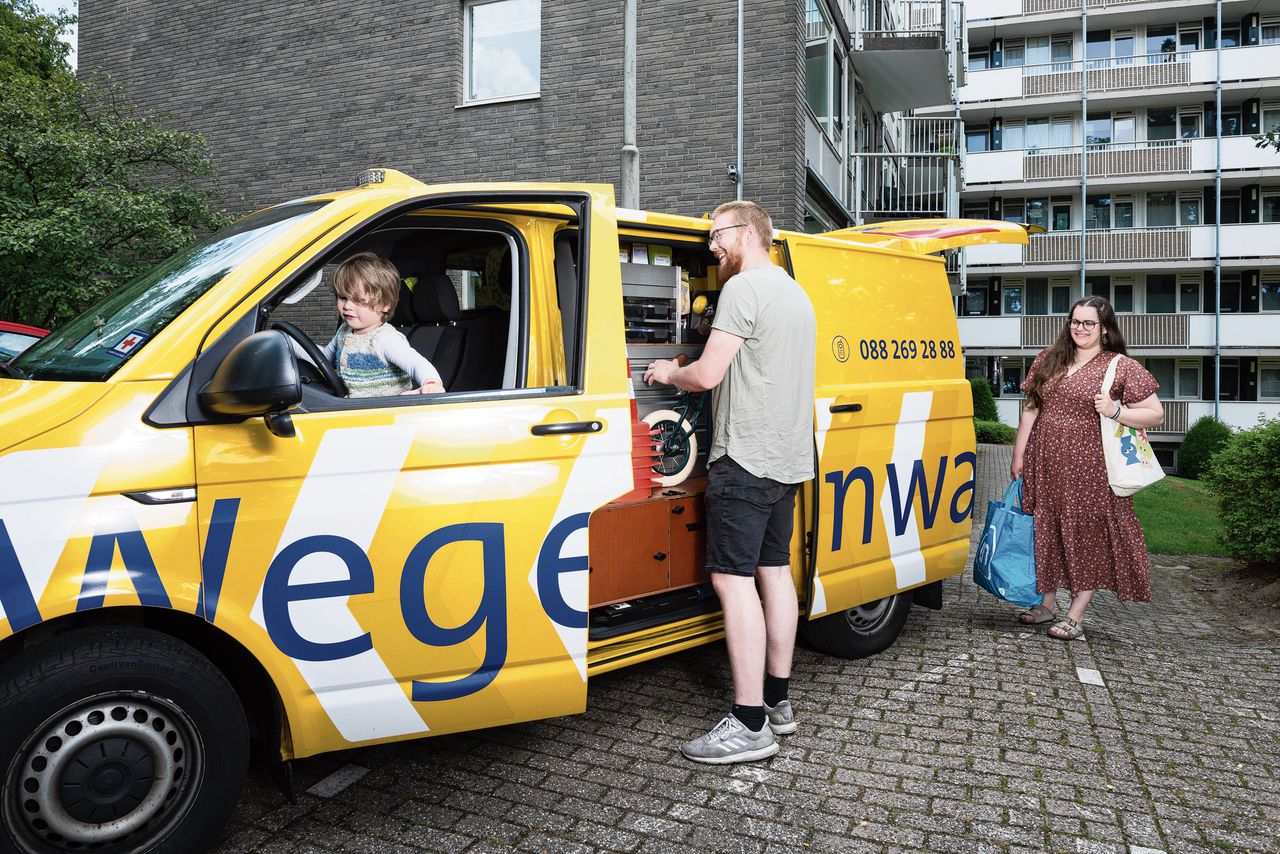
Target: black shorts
{"type": "Point", "coordinates": [749, 520]}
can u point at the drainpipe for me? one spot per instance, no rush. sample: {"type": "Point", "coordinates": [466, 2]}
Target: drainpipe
{"type": "Point", "coordinates": [1217, 218]}
{"type": "Point", "coordinates": [630, 151]}
{"type": "Point", "coordinates": [1084, 141]}
{"type": "Point", "coordinates": [740, 180]}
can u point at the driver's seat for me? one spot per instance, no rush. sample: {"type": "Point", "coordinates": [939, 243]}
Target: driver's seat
{"type": "Point", "coordinates": [437, 334]}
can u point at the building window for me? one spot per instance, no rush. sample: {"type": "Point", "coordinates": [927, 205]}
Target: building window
{"type": "Point", "coordinates": [1230, 292]}
{"type": "Point", "coordinates": [1188, 209]}
{"type": "Point", "coordinates": [1268, 379]}
{"type": "Point", "coordinates": [1014, 210]}
{"type": "Point", "coordinates": [1037, 296]}
{"type": "Point", "coordinates": [1097, 129]}
{"type": "Point", "coordinates": [975, 210]}
{"type": "Point", "coordinates": [1189, 296]}
{"type": "Point", "coordinates": [1160, 210]}
{"type": "Point", "coordinates": [1122, 298]}
{"type": "Point", "coordinates": [1012, 299]}
{"type": "Point", "coordinates": [1271, 114]}
{"type": "Point", "coordinates": [1163, 370]}
{"type": "Point", "coordinates": [976, 138]}
{"type": "Point", "coordinates": [975, 300]}
{"type": "Point", "coordinates": [1271, 30]}
{"type": "Point", "coordinates": [1162, 123]}
{"type": "Point", "coordinates": [503, 49]}
{"type": "Point", "coordinates": [1015, 53]}
{"type": "Point", "coordinates": [979, 60]}
{"type": "Point", "coordinates": [1013, 137]}
{"type": "Point", "coordinates": [1230, 207]}
{"type": "Point", "coordinates": [1097, 212]}
{"type": "Point", "coordinates": [1098, 286]}
{"type": "Point", "coordinates": [1038, 213]}
{"type": "Point", "coordinates": [1271, 204]}
{"type": "Point", "coordinates": [1061, 216]}
{"type": "Point", "coordinates": [1122, 212]}
{"type": "Point", "coordinates": [1162, 43]}
{"type": "Point", "coordinates": [1271, 292]}
{"type": "Point", "coordinates": [1060, 297]}
{"type": "Point", "coordinates": [824, 77]}
{"type": "Point", "coordinates": [1013, 370]}
{"type": "Point", "coordinates": [1160, 295]}
{"type": "Point", "coordinates": [1188, 379]}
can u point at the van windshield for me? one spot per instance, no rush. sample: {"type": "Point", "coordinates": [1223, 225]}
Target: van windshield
{"type": "Point", "coordinates": [95, 344]}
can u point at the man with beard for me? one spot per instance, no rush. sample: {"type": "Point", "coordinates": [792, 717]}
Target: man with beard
{"type": "Point", "coordinates": [759, 359]}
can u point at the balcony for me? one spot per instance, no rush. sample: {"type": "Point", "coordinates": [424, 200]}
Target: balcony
{"type": "Point", "coordinates": [1139, 330]}
{"type": "Point", "coordinates": [906, 51]}
{"type": "Point", "coordinates": [1117, 160]}
{"type": "Point", "coordinates": [919, 179]}
{"type": "Point", "coordinates": [985, 10]}
{"type": "Point", "coordinates": [1191, 333]}
{"type": "Point", "coordinates": [1063, 80]}
{"type": "Point", "coordinates": [1256, 243]}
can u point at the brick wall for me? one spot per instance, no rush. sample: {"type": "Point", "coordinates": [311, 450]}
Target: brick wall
{"type": "Point", "coordinates": [297, 96]}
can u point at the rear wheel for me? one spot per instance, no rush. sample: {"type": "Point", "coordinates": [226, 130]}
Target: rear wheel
{"type": "Point", "coordinates": [861, 631]}
{"type": "Point", "coordinates": [110, 738]}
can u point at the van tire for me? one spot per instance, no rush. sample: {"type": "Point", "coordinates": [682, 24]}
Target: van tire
{"type": "Point", "coordinates": [115, 711]}
{"type": "Point", "coordinates": [671, 471]}
{"type": "Point", "coordinates": [861, 631]}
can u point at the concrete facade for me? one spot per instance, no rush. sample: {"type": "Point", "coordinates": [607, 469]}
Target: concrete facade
{"type": "Point", "coordinates": [297, 97]}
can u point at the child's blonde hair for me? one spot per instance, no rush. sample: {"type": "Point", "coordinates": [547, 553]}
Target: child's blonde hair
{"type": "Point", "coordinates": [368, 279]}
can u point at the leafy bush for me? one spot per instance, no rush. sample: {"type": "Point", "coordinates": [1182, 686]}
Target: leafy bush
{"type": "Point", "coordinates": [994, 432]}
{"type": "Point", "coordinates": [1205, 438]}
{"type": "Point", "coordinates": [1245, 477]}
{"type": "Point", "coordinates": [984, 403]}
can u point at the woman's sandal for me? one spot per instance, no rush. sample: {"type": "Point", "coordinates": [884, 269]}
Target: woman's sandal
{"type": "Point", "coordinates": [1067, 629]}
{"type": "Point", "coordinates": [1037, 615]}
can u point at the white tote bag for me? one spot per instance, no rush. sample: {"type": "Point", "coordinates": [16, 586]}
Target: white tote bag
{"type": "Point", "coordinates": [1131, 464]}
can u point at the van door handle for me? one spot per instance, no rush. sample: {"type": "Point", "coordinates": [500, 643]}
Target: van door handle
{"type": "Point", "coordinates": [563, 427]}
{"type": "Point", "coordinates": [846, 407]}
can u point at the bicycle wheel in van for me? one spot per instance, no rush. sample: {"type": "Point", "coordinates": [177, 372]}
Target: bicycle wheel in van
{"type": "Point", "coordinates": [117, 740]}
{"type": "Point", "coordinates": [861, 631]}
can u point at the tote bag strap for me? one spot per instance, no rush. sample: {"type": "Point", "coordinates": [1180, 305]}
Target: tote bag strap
{"type": "Point", "coordinates": [1110, 376]}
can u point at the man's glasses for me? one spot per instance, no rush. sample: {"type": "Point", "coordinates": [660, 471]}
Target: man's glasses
{"type": "Point", "coordinates": [714, 237]}
{"type": "Point", "coordinates": [1086, 325]}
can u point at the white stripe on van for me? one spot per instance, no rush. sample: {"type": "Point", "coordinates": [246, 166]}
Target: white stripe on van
{"type": "Point", "coordinates": [908, 446]}
{"type": "Point", "coordinates": [42, 496]}
{"type": "Point", "coordinates": [600, 474]}
{"type": "Point", "coordinates": [359, 693]}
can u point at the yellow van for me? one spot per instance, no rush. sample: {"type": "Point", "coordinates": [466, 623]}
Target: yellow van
{"type": "Point", "coordinates": [203, 541]}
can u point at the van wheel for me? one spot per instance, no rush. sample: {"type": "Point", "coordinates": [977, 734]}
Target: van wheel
{"type": "Point", "coordinates": [117, 740]}
{"type": "Point", "coordinates": [861, 631]}
{"type": "Point", "coordinates": [668, 471]}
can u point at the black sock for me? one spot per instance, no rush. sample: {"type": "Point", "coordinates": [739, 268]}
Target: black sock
{"type": "Point", "coordinates": [775, 689]}
{"type": "Point", "coordinates": [752, 717]}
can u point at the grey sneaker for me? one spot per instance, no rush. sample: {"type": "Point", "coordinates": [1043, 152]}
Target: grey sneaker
{"type": "Point", "coordinates": [782, 720]}
{"type": "Point", "coordinates": [730, 741]}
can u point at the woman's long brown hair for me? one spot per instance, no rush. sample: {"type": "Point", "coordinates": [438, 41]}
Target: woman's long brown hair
{"type": "Point", "coordinates": [1059, 357]}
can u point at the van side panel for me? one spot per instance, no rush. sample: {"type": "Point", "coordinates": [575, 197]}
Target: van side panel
{"type": "Point", "coordinates": [893, 424]}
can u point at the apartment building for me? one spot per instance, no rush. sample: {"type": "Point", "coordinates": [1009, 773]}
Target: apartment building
{"type": "Point", "coordinates": [299, 95]}
{"type": "Point", "coordinates": [1123, 129]}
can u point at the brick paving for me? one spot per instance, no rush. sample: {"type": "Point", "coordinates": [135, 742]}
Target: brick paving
{"type": "Point", "coordinates": [970, 734]}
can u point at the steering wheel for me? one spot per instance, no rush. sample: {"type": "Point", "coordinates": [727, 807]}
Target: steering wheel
{"type": "Point", "coordinates": [331, 378]}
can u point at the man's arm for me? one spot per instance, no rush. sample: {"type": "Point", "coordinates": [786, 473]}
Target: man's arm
{"type": "Point", "coordinates": [704, 374]}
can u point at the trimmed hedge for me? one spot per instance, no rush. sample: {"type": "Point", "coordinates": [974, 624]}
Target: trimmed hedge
{"type": "Point", "coordinates": [984, 402]}
{"type": "Point", "coordinates": [1205, 438]}
{"type": "Point", "coordinates": [1245, 477]}
{"type": "Point", "coordinates": [994, 432]}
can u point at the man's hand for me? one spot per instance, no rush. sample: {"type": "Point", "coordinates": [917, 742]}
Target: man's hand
{"type": "Point", "coordinates": [660, 371]}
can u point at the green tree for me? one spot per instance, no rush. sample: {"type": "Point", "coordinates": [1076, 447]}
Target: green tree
{"type": "Point", "coordinates": [1270, 139]}
{"type": "Point", "coordinates": [93, 190]}
{"type": "Point", "coordinates": [984, 401]}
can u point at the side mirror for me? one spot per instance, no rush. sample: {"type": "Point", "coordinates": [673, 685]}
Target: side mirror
{"type": "Point", "coordinates": [258, 377]}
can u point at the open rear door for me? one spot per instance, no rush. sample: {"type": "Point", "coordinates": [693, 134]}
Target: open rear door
{"type": "Point", "coordinates": [927, 236]}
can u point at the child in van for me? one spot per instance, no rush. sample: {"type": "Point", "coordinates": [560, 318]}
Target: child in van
{"type": "Point", "coordinates": [373, 358]}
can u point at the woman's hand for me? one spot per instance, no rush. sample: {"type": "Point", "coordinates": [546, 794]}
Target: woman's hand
{"type": "Point", "coordinates": [1105, 405]}
{"type": "Point", "coordinates": [1015, 468]}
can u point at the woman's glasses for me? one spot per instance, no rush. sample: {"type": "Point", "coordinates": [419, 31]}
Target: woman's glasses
{"type": "Point", "coordinates": [1086, 325]}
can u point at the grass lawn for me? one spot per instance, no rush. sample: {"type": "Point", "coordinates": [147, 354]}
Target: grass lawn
{"type": "Point", "coordinates": [1179, 517]}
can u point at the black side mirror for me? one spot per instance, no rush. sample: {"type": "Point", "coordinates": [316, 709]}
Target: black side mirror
{"type": "Point", "coordinates": [258, 377]}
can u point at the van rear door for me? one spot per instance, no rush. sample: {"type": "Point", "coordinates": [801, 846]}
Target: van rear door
{"type": "Point", "coordinates": [893, 423]}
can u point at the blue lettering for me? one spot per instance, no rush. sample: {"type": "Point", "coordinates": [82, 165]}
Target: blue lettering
{"type": "Point", "coordinates": [15, 594]}
{"type": "Point", "coordinates": [277, 593]}
{"type": "Point", "coordinates": [217, 546]}
{"type": "Point", "coordinates": [490, 613]}
{"type": "Point", "coordinates": [137, 563]}
{"type": "Point", "coordinates": [841, 482]}
{"type": "Point", "coordinates": [957, 515]}
{"type": "Point", "coordinates": [551, 565]}
{"type": "Point", "coordinates": [902, 510]}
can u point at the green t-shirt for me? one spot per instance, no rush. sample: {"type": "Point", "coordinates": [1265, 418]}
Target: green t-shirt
{"type": "Point", "coordinates": [764, 404]}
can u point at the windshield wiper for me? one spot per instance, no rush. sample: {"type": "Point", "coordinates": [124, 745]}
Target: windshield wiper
{"type": "Point", "coordinates": [10, 371]}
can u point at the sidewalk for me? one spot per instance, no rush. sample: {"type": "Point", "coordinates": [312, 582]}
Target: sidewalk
{"type": "Point", "coordinates": [1159, 733]}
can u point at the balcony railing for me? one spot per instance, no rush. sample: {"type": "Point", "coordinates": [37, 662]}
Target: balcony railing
{"type": "Point", "coordinates": [1109, 160]}
{"type": "Point", "coordinates": [886, 19]}
{"type": "Point", "coordinates": [1139, 330]}
{"type": "Point", "coordinates": [1130, 72]}
{"type": "Point", "coordinates": [1036, 7]}
{"type": "Point", "coordinates": [1119, 244]}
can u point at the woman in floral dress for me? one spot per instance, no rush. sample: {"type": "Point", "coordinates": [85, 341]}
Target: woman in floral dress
{"type": "Point", "coordinates": [1087, 537]}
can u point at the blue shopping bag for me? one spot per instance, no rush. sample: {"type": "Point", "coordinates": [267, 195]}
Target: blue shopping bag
{"type": "Point", "coordinates": [1005, 565]}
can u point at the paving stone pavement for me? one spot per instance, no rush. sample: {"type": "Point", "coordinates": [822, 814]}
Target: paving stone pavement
{"type": "Point", "coordinates": [971, 734]}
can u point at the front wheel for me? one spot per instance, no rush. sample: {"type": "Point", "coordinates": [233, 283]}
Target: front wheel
{"type": "Point", "coordinates": [117, 740]}
{"type": "Point", "coordinates": [861, 631]}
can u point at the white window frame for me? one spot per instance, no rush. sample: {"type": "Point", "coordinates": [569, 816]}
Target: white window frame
{"type": "Point", "coordinates": [1266, 364]}
{"type": "Point", "coordinates": [467, 100]}
{"type": "Point", "coordinates": [1179, 366]}
{"type": "Point", "coordinates": [1267, 193]}
{"type": "Point", "coordinates": [1267, 279]}
{"type": "Point", "coordinates": [1195, 279]}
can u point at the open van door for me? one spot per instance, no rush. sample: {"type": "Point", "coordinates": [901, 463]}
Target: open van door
{"type": "Point", "coordinates": [927, 236]}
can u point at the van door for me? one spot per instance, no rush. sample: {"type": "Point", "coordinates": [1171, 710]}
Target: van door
{"type": "Point", "coordinates": [414, 565]}
{"type": "Point", "coordinates": [893, 424]}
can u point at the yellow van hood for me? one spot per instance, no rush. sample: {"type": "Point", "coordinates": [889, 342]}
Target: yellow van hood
{"type": "Point", "coordinates": [30, 408]}
{"type": "Point", "coordinates": [927, 236]}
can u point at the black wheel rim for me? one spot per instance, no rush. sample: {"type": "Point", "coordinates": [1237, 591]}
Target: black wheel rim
{"type": "Point", "coordinates": [675, 461]}
{"type": "Point", "coordinates": [108, 773]}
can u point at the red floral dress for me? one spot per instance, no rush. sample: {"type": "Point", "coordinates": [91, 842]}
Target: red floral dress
{"type": "Point", "coordinates": [1087, 537]}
